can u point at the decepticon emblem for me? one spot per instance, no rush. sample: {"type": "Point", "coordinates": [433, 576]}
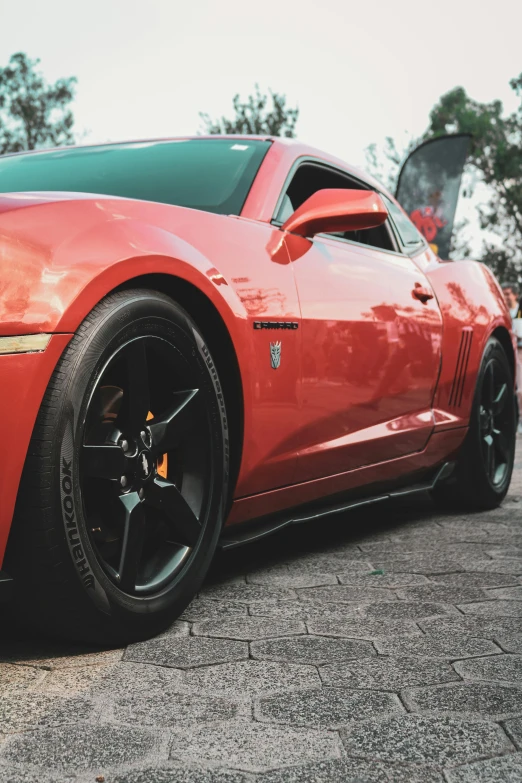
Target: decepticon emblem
{"type": "Point", "coordinates": [275, 354]}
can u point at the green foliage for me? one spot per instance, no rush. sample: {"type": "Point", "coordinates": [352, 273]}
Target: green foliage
{"type": "Point", "coordinates": [33, 113]}
{"type": "Point", "coordinates": [256, 117]}
{"type": "Point", "coordinates": [495, 158]}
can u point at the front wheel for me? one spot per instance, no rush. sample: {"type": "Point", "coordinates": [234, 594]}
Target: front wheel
{"type": "Point", "coordinates": [483, 472]}
{"type": "Point", "coordinates": [122, 497]}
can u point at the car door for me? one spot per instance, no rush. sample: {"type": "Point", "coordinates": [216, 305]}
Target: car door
{"type": "Point", "coordinates": [370, 347]}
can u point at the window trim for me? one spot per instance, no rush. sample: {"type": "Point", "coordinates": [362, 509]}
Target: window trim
{"type": "Point", "coordinates": [402, 249]}
{"type": "Point", "coordinates": [409, 249]}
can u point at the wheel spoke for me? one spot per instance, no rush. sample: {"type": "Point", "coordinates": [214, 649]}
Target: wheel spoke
{"type": "Point", "coordinates": [136, 395]}
{"type": "Point", "coordinates": [166, 498]}
{"type": "Point", "coordinates": [489, 386]}
{"type": "Point", "coordinates": [483, 419]}
{"type": "Point", "coordinates": [133, 539]}
{"type": "Point", "coordinates": [500, 400]}
{"type": "Point", "coordinates": [168, 430]}
{"type": "Point", "coordinates": [107, 461]}
{"type": "Point", "coordinates": [489, 455]}
{"type": "Point", "coordinates": [501, 446]}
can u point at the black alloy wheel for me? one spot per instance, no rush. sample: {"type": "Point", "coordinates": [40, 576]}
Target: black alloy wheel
{"type": "Point", "coordinates": [484, 466]}
{"type": "Point", "coordinates": [143, 476]}
{"type": "Point", "coordinates": [124, 489]}
{"type": "Point", "coordinates": [496, 421]}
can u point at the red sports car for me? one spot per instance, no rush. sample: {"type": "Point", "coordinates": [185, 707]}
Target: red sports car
{"type": "Point", "coordinates": [204, 339]}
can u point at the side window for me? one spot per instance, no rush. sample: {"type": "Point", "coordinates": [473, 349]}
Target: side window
{"type": "Point", "coordinates": [408, 234]}
{"type": "Point", "coordinates": [310, 178]}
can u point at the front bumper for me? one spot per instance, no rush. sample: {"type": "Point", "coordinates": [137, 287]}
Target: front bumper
{"type": "Point", "coordinates": [23, 380]}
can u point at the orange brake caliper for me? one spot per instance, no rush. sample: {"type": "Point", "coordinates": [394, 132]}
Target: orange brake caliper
{"type": "Point", "coordinates": [162, 463]}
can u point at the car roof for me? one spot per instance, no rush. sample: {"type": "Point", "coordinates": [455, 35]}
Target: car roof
{"type": "Point", "coordinates": [294, 148]}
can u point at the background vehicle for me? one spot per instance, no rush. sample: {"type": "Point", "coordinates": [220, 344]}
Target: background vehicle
{"type": "Point", "coordinates": [200, 334]}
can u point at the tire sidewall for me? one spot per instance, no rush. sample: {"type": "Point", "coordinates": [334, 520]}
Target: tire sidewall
{"type": "Point", "coordinates": [133, 315]}
{"type": "Point", "coordinates": [473, 454]}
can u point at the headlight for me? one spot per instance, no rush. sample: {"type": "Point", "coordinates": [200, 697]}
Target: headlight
{"type": "Point", "coordinates": [25, 343]}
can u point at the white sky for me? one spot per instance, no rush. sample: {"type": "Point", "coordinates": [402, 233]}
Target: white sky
{"type": "Point", "coordinates": [357, 70]}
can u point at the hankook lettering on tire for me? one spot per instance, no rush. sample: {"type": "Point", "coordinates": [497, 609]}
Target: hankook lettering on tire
{"type": "Point", "coordinates": [83, 569]}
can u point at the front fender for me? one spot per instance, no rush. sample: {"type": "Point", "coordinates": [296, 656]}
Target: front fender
{"type": "Point", "coordinates": [59, 260]}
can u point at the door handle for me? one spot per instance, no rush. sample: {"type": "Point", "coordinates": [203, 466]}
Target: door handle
{"type": "Point", "coordinates": [421, 293]}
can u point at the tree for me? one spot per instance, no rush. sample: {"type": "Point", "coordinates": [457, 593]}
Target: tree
{"type": "Point", "coordinates": [495, 158]}
{"type": "Point", "coordinates": [254, 117]}
{"type": "Point", "coordinates": [33, 113]}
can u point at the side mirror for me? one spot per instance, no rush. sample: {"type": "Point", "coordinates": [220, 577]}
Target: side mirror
{"type": "Point", "coordinates": [328, 211]}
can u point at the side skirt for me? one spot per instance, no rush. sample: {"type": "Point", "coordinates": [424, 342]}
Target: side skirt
{"type": "Point", "coordinates": [240, 535]}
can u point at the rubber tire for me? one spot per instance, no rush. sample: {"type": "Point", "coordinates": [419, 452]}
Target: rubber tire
{"type": "Point", "coordinates": [469, 486]}
{"type": "Point", "coordinates": [50, 594]}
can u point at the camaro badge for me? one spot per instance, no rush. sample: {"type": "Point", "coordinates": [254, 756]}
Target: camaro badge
{"type": "Point", "coordinates": [275, 354]}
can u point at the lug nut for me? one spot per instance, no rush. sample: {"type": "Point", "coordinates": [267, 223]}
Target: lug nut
{"type": "Point", "coordinates": [146, 438]}
{"type": "Point", "coordinates": [125, 445]}
{"type": "Point", "coordinates": [123, 481]}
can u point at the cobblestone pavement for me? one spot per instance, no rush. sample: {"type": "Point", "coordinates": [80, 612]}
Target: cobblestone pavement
{"type": "Point", "coordinates": [369, 649]}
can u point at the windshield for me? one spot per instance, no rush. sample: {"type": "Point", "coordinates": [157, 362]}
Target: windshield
{"type": "Point", "coordinates": [214, 175]}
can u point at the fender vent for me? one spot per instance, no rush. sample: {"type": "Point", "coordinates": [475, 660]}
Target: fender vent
{"type": "Point", "coordinates": [457, 388]}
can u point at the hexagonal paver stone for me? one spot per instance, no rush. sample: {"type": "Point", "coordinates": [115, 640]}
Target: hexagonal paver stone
{"type": "Point", "coordinates": [423, 545]}
{"type": "Point", "coordinates": [340, 594]}
{"type": "Point", "coordinates": [506, 769]}
{"type": "Point", "coordinates": [178, 628]}
{"type": "Point", "coordinates": [442, 593]}
{"type": "Point", "coordinates": [240, 680]}
{"type": "Point", "coordinates": [509, 593]}
{"type": "Point", "coordinates": [493, 608]}
{"type": "Point", "coordinates": [326, 708]}
{"type": "Point", "coordinates": [176, 774]}
{"type": "Point", "coordinates": [402, 610]}
{"type": "Point", "coordinates": [19, 678]}
{"type": "Point", "coordinates": [514, 729]}
{"type": "Point", "coordinates": [186, 653]}
{"type": "Point", "coordinates": [136, 678]}
{"type": "Point", "coordinates": [301, 610]}
{"type": "Point", "coordinates": [249, 628]}
{"type": "Point", "coordinates": [348, 771]}
{"type": "Point", "coordinates": [433, 563]}
{"type": "Point", "coordinates": [315, 650]}
{"type": "Point", "coordinates": [254, 746]}
{"type": "Point", "coordinates": [339, 771]}
{"type": "Point", "coordinates": [499, 565]}
{"type": "Point", "coordinates": [80, 747]}
{"type": "Point", "coordinates": [248, 594]}
{"type": "Point", "coordinates": [494, 701]}
{"type": "Point", "coordinates": [337, 559]}
{"type": "Point", "coordinates": [450, 646]}
{"type": "Point", "coordinates": [329, 565]}
{"type": "Point", "coordinates": [511, 642]}
{"type": "Point", "coordinates": [18, 773]}
{"type": "Point", "coordinates": [206, 609]}
{"type": "Point", "coordinates": [473, 579]}
{"type": "Point", "coordinates": [416, 739]}
{"type": "Point", "coordinates": [291, 579]}
{"type": "Point", "coordinates": [172, 709]}
{"type": "Point", "coordinates": [503, 668]}
{"type": "Point", "coordinates": [362, 629]}
{"type": "Point", "coordinates": [380, 580]}
{"type": "Point", "coordinates": [476, 626]}
{"type": "Point", "coordinates": [387, 673]}
{"type": "Point", "coordinates": [21, 711]}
